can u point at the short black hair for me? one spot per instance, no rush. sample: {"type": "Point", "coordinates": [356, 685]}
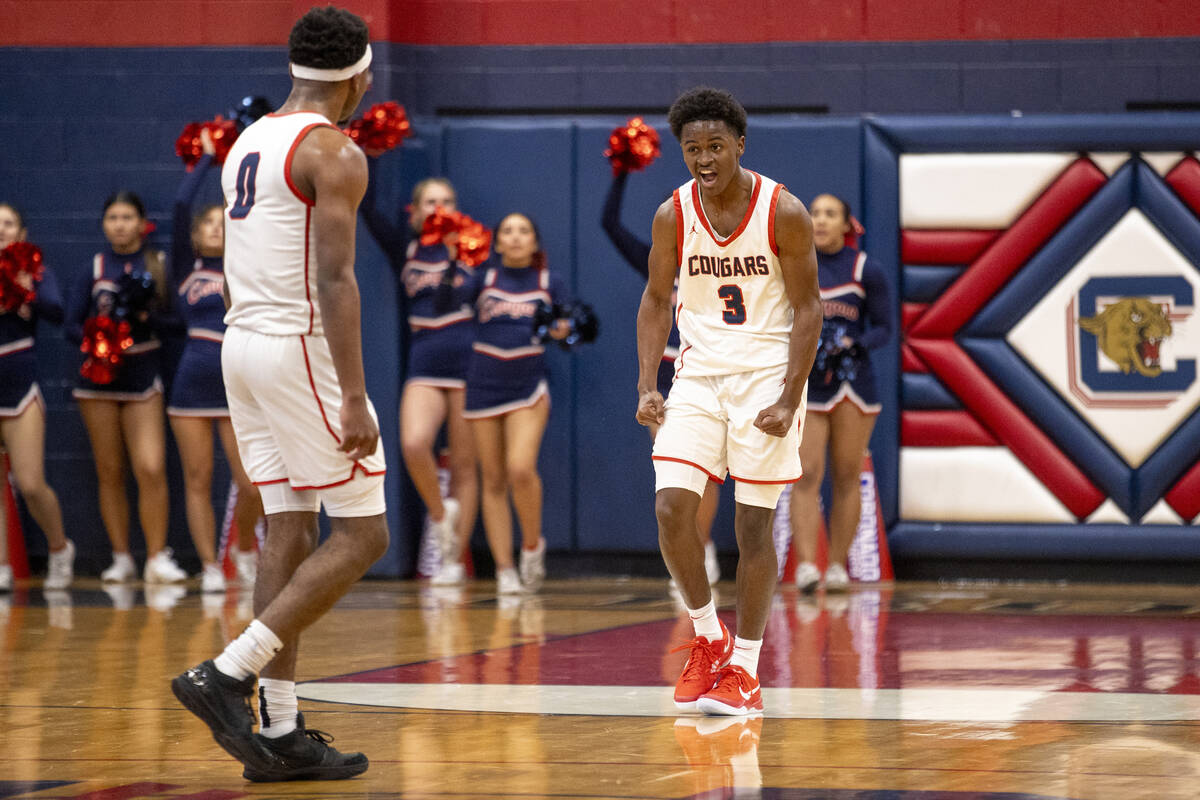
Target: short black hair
{"type": "Point", "coordinates": [327, 38]}
{"type": "Point", "coordinates": [706, 103]}
{"type": "Point", "coordinates": [128, 198]}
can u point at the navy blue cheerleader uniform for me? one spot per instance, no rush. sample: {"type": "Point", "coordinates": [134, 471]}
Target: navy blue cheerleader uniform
{"type": "Point", "coordinates": [856, 304]}
{"type": "Point", "coordinates": [199, 387]}
{"type": "Point", "coordinates": [507, 369]}
{"type": "Point", "coordinates": [434, 297]}
{"type": "Point", "coordinates": [18, 361]}
{"type": "Point", "coordinates": [95, 293]}
{"type": "Point", "coordinates": [637, 253]}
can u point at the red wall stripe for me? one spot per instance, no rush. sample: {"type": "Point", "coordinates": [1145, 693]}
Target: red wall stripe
{"type": "Point", "coordinates": [909, 361]}
{"type": "Point", "coordinates": [1184, 496]}
{"type": "Point", "coordinates": [995, 410]}
{"type": "Point", "coordinates": [943, 429]}
{"type": "Point", "coordinates": [115, 23]}
{"type": "Point", "coordinates": [944, 247]}
{"type": "Point", "coordinates": [1015, 246]}
{"type": "Point", "coordinates": [1185, 180]}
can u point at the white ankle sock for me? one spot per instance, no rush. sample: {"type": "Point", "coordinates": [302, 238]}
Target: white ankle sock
{"type": "Point", "coordinates": [250, 652]}
{"type": "Point", "coordinates": [745, 654]}
{"type": "Point", "coordinates": [705, 621]}
{"type": "Point", "coordinates": [277, 707]}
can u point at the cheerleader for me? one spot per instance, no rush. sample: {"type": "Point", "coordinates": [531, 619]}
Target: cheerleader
{"type": "Point", "coordinates": [508, 401]}
{"type": "Point", "coordinates": [637, 253]}
{"type": "Point", "coordinates": [440, 336]}
{"type": "Point", "coordinates": [124, 416]}
{"type": "Point", "coordinates": [843, 401]}
{"type": "Point", "coordinates": [197, 403]}
{"type": "Point", "coordinates": [23, 416]}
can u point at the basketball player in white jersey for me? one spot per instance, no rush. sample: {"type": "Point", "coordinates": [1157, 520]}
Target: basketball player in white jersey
{"type": "Point", "coordinates": [749, 316]}
{"type": "Point", "coordinates": [292, 360]}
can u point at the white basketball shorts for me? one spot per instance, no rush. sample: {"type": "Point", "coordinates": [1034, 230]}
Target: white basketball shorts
{"type": "Point", "coordinates": [285, 403]}
{"type": "Point", "coordinates": [709, 431]}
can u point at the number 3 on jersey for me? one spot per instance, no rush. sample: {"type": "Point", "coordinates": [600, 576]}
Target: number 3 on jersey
{"type": "Point", "coordinates": [247, 171]}
{"type": "Point", "coordinates": [735, 307]}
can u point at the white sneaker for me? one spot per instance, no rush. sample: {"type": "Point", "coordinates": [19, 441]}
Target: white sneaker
{"type": "Point", "coordinates": [247, 566]}
{"type": "Point", "coordinates": [533, 564]}
{"type": "Point", "coordinates": [447, 530]}
{"type": "Point", "coordinates": [60, 570]}
{"type": "Point", "coordinates": [711, 565]}
{"type": "Point", "coordinates": [836, 579]}
{"type": "Point", "coordinates": [6, 578]}
{"type": "Point", "coordinates": [807, 577]}
{"type": "Point", "coordinates": [212, 579]}
{"type": "Point", "coordinates": [161, 568]}
{"type": "Point", "coordinates": [122, 570]}
{"type": "Point", "coordinates": [508, 582]}
{"type": "Point", "coordinates": [449, 575]}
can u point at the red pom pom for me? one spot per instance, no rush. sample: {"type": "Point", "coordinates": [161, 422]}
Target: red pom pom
{"type": "Point", "coordinates": [474, 242]}
{"type": "Point", "coordinates": [21, 268]}
{"type": "Point", "coordinates": [223, 133]}
{"type": "Point", "coordinates": [439, 225]}
{"type": "Point", "coordinates": [382, 127]}
{"type": "Point", "coordinates": [188, 146]}
{"type": "Point", "coordinates": [632, 147]}
{"type": "Point", "coordinates": [105, 342]}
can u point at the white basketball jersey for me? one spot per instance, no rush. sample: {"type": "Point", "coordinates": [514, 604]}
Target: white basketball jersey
{"type": "Point", "coordinates": [270, 260]}
{"type": "Point", "coordinates": [733, 311]}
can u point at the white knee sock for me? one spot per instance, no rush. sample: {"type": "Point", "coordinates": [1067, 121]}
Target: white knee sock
{"type": "Point", "coordinates": [277, 707]}
{"type": "Point", "coordinates": [745, 654]}
{"type": "Point", "coordinates": [705, 621]}
{"type": "Point", "coordinates": [250, 652]}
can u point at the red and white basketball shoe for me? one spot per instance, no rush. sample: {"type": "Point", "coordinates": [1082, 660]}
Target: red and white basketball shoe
{"type": "Point", "coordinates": [700, 672]}
{"type": "Point", "coordinates": [736, 693]}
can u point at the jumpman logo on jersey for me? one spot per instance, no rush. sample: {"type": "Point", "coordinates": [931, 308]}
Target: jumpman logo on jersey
{"type": "Point", "coordinates": [694, 228]}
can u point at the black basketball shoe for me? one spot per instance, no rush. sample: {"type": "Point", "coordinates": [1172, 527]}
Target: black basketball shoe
{"type": "Point", "coordinates": [224, 704]}
{"type": "Point", "coordinates": [304, 755]}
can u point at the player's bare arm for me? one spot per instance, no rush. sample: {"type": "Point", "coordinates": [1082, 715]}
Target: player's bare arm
{"type": "Point", "coordinates": [333, 171]}
{"type": "Point", "coordinates": [655, 314]}
{"type": "Point", "coordinates": [798, 262]}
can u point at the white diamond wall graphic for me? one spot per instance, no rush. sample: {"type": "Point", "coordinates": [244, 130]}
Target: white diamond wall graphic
{"type": "Point", "coordinates": [1117, 337]}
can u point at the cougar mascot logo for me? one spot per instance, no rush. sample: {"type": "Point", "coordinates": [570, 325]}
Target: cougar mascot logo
{"type": "Point", "coordinates": [1130, 332]}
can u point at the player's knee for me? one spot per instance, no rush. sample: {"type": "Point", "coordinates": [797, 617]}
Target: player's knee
{"type": "Point", "coordinates": [671, 513]}
{"type": "Point", "coordinates": [414, 448]}
{"type": "Point", "coordinates": [810, 481]}
{"type": "Point", "coordinates": [522, 476]}
{"type": "Point", "coordinates": [845, 476]}
{"type": "Point", "coordinates": [376, 541]}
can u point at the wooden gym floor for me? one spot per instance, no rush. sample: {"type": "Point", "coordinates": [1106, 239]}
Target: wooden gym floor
{"type": "Point", "coordinates": [906, 692]}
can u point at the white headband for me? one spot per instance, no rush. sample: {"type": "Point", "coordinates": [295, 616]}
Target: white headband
{"type": "Point", "coordinates": [332, 75]}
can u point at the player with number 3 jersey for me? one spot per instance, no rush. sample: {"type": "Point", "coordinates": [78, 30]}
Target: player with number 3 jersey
{"type": "Point", "coordinates": [749, 316]}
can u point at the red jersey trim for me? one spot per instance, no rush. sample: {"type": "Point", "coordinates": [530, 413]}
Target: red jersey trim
{"type": "Point", "coordinates": [356, 468]}
{"type": "Point", "coordinates": [771, 218]}
{"type": "Point", "coordinates": [711, 477]}
{"type": "Point", "coordinates": [287, 164]}
{"type": "Point", "coordinates": [764, 483]}
{"type": "Point", "coordinates": [312, 309]}
{"type": "Point", "coordinates": [678, 229]}
{"type": "Point", "coordinates": [269, 483]}
{"type": "Point", "coordinates": [745, 220]}
{"type": "Point", "coordinates": [317, 397]}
